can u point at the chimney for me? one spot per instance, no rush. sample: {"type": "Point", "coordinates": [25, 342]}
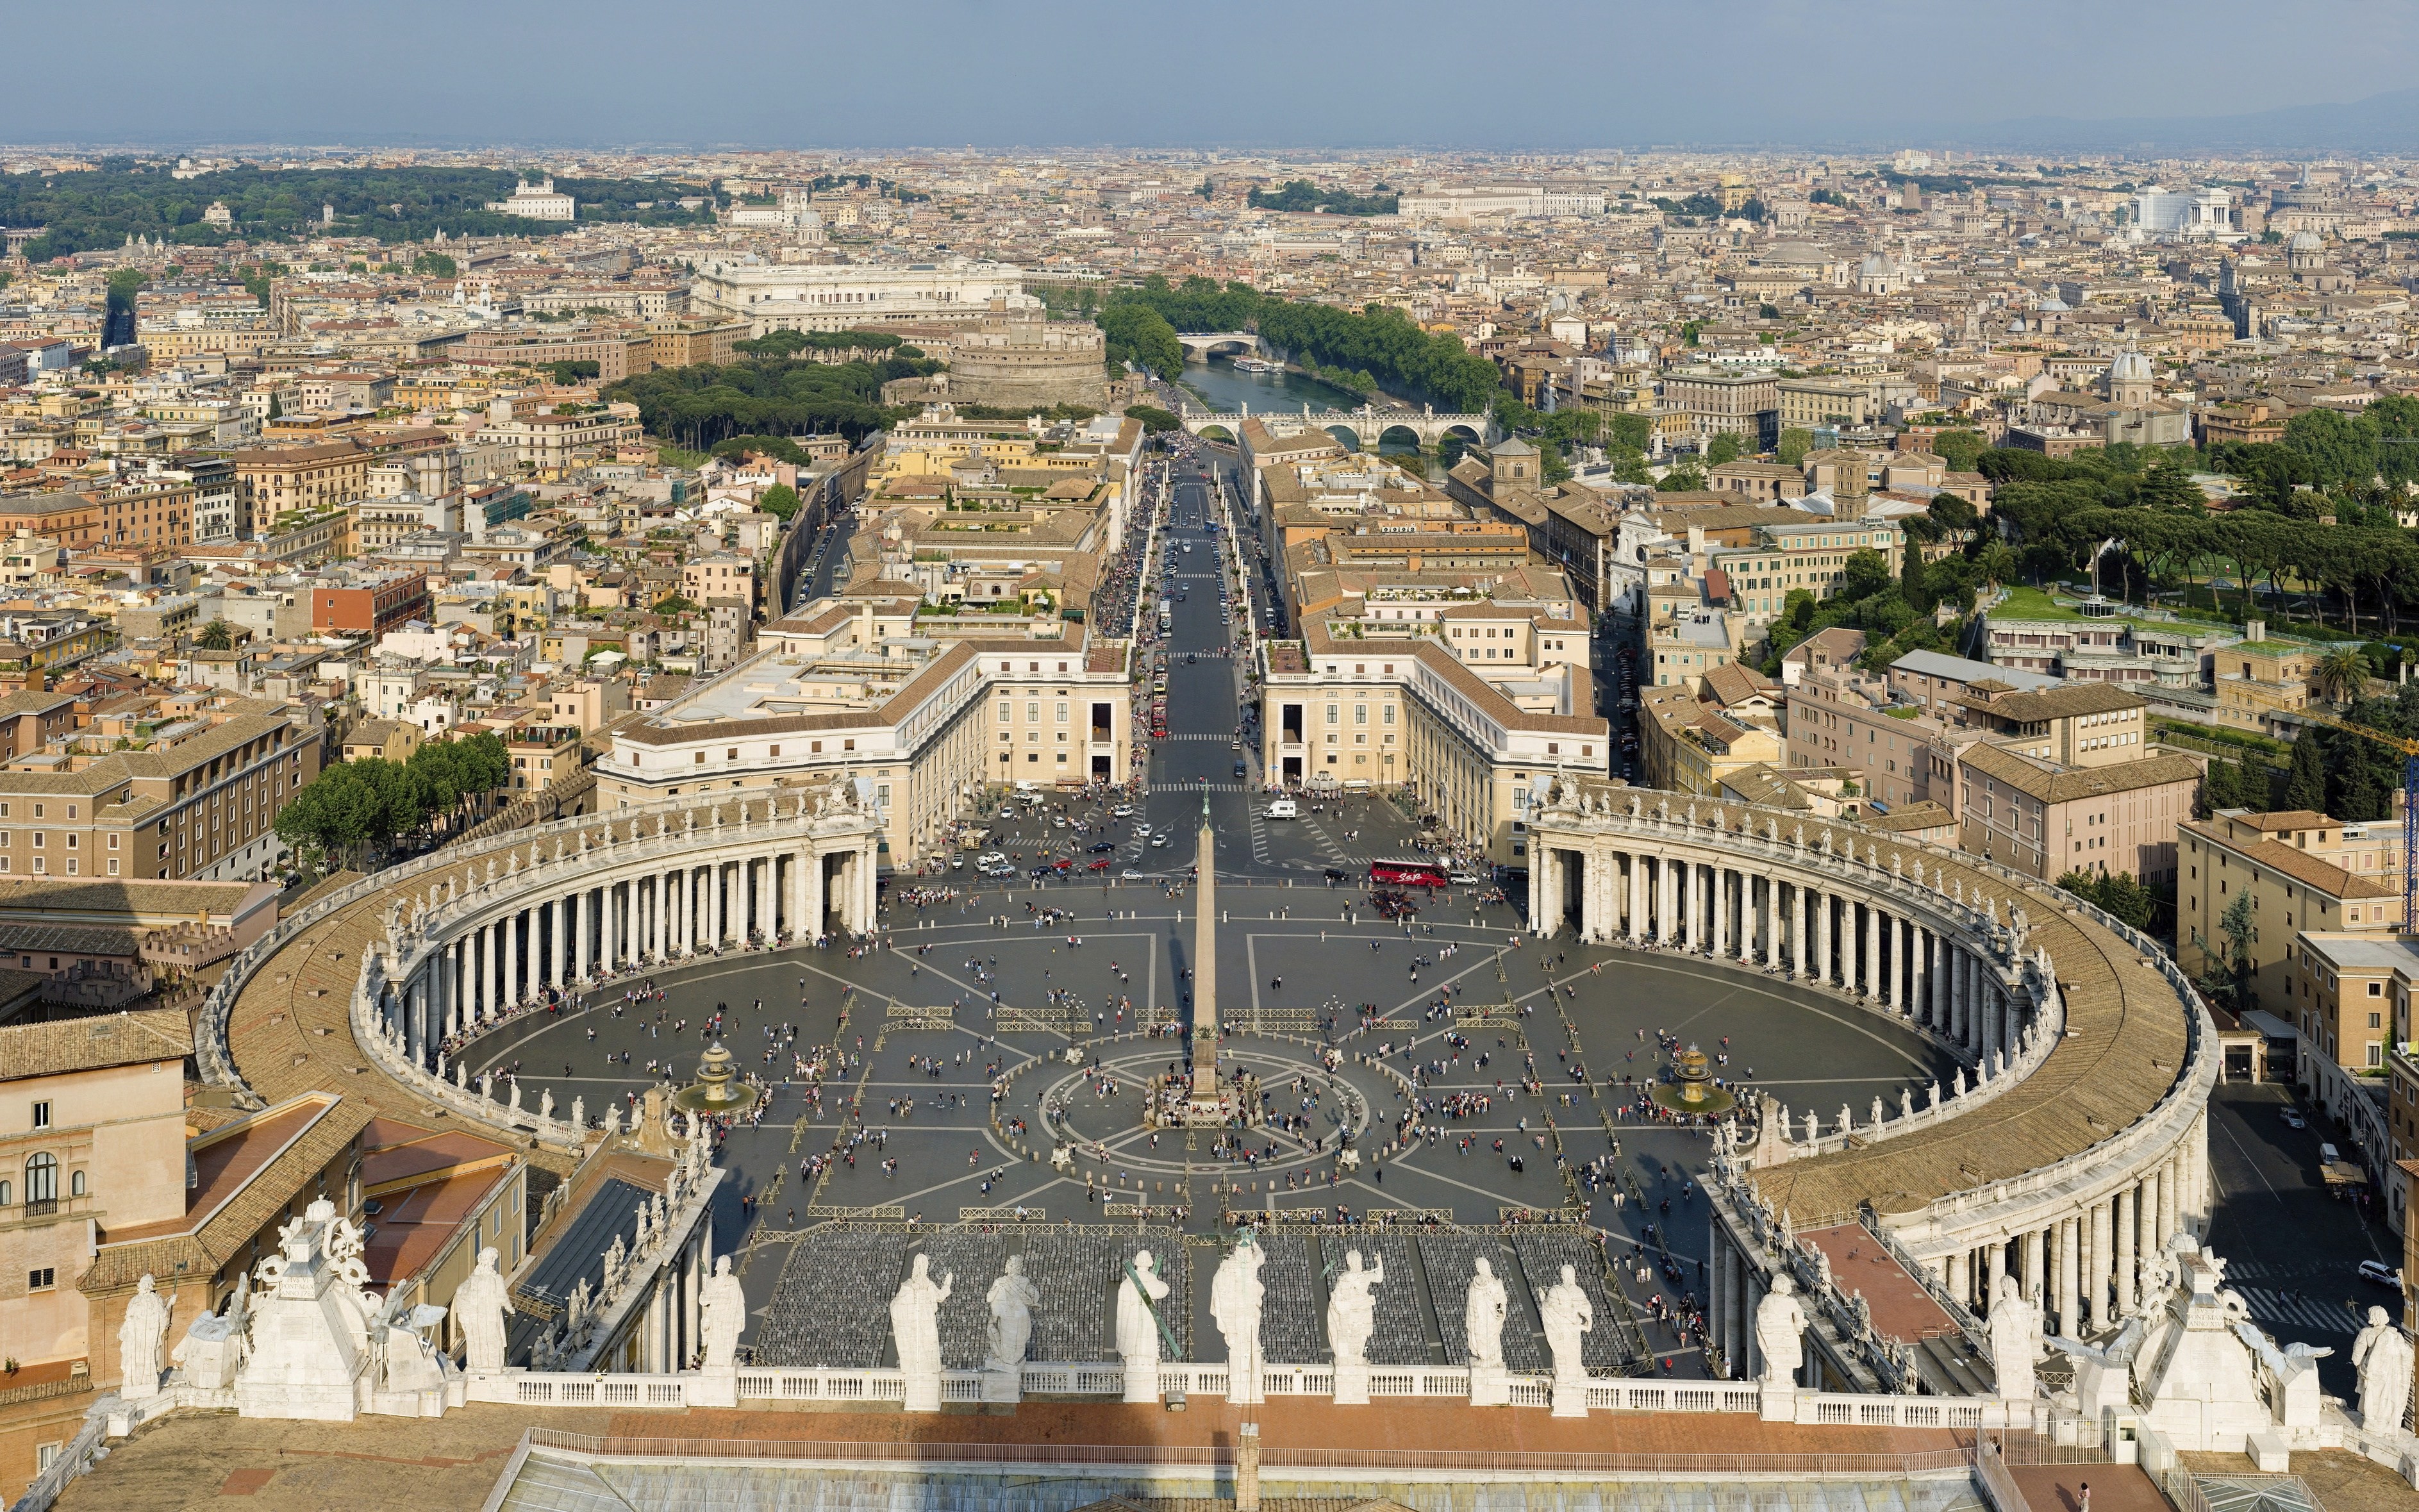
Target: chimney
{"type": "Point", "coordinates": [1247, 1467]}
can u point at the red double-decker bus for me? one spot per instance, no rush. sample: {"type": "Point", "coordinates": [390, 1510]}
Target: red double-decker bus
{"type": "Point", "coordinates": [1406, 874]}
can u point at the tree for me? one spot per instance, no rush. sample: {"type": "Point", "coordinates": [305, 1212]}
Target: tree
{"type": "Point", "coordinates": [1154, 419]}
{"type": "Point", "coordinates": [1681, 480]}
{"type": "Point", "coordinates": [2306, 778]}
{"type": "Point", "coordinates": [1722, 448]}
{"type": "Point", "coordinates": [1795, 444]}
{"type": "Point", "coordinates": [1140, 336]}
{"type": "Point", "coordinates": [2230, 972]}
{"type": "Point", "coordinates": [1864, 574]}
{"type": "Point", "coordinates": [216, 636]}
{"type": "Point", "coordinates": [2341, 674]}
{"type": "Point", "coordinates": [1960, 449]}
{"type": "Point", "coordinates": [779, 501]}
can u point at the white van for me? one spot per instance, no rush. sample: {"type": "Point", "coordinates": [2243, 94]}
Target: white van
{"type": "Point", "coordinates": [1284, 808]}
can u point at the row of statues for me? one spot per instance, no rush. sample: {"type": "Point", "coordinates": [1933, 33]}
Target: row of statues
{"type": "Point", "coordinates": [1237, 1300]}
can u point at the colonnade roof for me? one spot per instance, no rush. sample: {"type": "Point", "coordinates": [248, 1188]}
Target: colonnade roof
{"type": "Point", "coordinates": [2126, 1037]}
{"type": "Point", "coordinates": [291, 1028]}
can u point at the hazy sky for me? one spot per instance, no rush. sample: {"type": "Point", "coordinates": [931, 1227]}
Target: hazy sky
{"type": "Point", "coordinates": [1484, 73]}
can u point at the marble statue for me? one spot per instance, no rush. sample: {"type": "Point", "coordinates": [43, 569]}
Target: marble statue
{"type": "Point", "coordinates": [579, 1113]}
{"type": "Point", "coordinates": [1780, 1323]}
{"type": "Point", "coordinates": [2382, 1356]}
{"type": "Point", "coordinates": [1351, 1311]}
{"type": "Point", "coordinates": [2015, 1325]}
{"type": "Point", "coordinates": [722, 1312]}
{"type": "Point", "coordinates": [1567, 1318]}
{"type": "Point", "coordinates": [1012, 1299]}
{"type": "Point", "coordinates": [480, 1305]}
{"type": "Point", "coordinates": [1483, 1311]}
{"type": "Point", "coordinates": [141, 1340]}
{"type": "Point", "coordinates": [545, 1103]}
{"type": "Point", "coordinates": [916, 1328]}
{"type": "Point", "coordinates": [1236, 1294]}
{"type": "Point", "coordinates": [1139, 1327]}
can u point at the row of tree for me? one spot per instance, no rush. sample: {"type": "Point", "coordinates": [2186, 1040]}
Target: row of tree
{"type": "Point", "coordinates": [1383, 342]}
{"type": "Point", "coordinates": [355, 811]}
{"type": "Point", "coordinates": [700, 406]}
{"type": "Point", "coordinates": [98, 210]}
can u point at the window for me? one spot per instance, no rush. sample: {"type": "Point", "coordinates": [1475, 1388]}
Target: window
{"type": "Point", "coordinates": [42, 1115]}
{"type": "Point", "coordinates": [41, 1178]}
{"type": "Point", "coordinates": [75, 1178]}
{"type": "Point", "coordinates": [43, 1279]}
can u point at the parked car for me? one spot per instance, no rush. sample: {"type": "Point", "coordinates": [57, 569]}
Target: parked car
{"type": "Point", "coordinates": [1465, 879]}
{"type": "Point", "coordinates": [2381, 1273]}
{"type": "Point", "coordinates": [2292, 1116]}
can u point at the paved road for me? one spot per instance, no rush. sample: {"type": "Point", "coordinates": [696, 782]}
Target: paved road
{"type": "Point", "coordinates": [2292, 1250]}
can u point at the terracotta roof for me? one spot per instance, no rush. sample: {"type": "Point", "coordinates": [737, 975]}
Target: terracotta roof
{"type": "Point", "coordinates": [2057, 785]}
{"type": "Point", "coordinates": [126, 1038]}
{"type": "Point", "coordinates": [2067, 702]}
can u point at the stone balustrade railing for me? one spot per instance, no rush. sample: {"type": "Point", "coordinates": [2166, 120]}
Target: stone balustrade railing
{"type": "Point", "coordinates": [1210, 1379]}
{"type": "Point", "coordinates": [642, 839]}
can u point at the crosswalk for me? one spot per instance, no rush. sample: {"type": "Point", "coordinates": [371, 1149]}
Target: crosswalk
{"type": "Point", "coordinates": [2281, 1308]}
{"type": "Point", "coordinates": [1201, 787]}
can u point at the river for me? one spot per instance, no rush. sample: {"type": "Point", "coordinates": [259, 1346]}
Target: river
{"type": "Point", "coordinates": [1217, 384]}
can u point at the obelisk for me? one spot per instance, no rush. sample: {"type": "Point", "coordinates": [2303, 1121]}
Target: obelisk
{"type": "Point", "coordinates": [1204, 963]}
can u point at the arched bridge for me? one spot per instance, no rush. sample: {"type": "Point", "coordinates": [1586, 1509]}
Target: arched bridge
{"type": "Point", "coordinates": [1203, 345]}
{"type": "Point", "coordinates": [1360, 429]}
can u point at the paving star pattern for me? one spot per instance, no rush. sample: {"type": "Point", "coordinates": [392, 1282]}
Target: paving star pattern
{"type": "Point", "coordinates": [1505, 1052]}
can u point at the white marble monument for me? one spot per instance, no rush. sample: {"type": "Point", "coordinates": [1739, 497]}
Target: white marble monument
{"type": "Point", "coordinates": [1779, 1329]}
{"type": "Point", "coordinates": [915, 1327]}
{"type": "Point", "coordinates": [1010, 1333]}
{"type": "Point", "coordinates": [1351, 1317]}
{"type": "Point", "coordinates": [2015, 1325]}
{"type": "Point", "coordinates": [1235, 1299]}
{"type": "Point", "coordinates": [1483, 1307]}
{"type": "Point", "coordinates": [1568, 1318]}
{"type": "Point", "coordinates": [1139, 1327]}
{"type": "Point", "coordinates": [141, 1340]}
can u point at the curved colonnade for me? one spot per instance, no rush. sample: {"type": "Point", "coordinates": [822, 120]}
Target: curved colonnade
{"type": "Point", "coordinates": [450, 943]}
{"type": "Point", "coordinates": [2083, 1144]}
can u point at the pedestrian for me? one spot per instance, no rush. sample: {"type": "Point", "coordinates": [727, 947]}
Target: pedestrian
{"type": "Point", "coordinates": [2083, 1499]}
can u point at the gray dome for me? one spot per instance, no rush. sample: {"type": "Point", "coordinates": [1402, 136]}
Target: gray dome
{"type": "Point", "coordinates": [2303, 241]}
{"type": "Point", "coordinates": [2131, 367]}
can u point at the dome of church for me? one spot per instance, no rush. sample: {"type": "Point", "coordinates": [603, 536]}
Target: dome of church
{"type": "Point", "coordinates": [2052, 304]}
{"type": "Point", "coordinates": [2303, 241]}
{"type": "Point", "coordinates": [1875, 265]}
{"type": "Point", "coordinates": [2131, 367]}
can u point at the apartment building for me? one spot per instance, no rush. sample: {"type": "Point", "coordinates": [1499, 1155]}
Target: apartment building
{"type": "Point", "coordinates": [1838, 717]}
{"type": "Point", "coordinates": [2044, 818]}
{"type": "Point", "coordinates": [372, 605]}
{"type": "Point", "coordinates": [1707, 402]}
{"type": "Point", "coordinates": [553, 442]}
{"type": "Point", "coordinates": [924, 732]}
{"type": "Point", "coordinates": [153, 514]}
{"type": "Point", "coordinates": [92, 1137]}
{"type": "Point", "coordinates": [1352, 716]}
{"type": "Point", "coordinates": [197, 799]}
{"type": "Point", "coordinates": [2301, 871]}
{"type": "Point", "coordinates": [291, 479]}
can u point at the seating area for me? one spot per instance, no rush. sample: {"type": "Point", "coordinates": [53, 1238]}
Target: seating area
{"type": "Point", "coordinates": [832, 1304]}
{"type": "Point", "coordinates": [1401, 1333]}
{"type": "Point", "coordinates": [973, 1260]}
{"type": "Point", "coordinates": [1451, 1258]}
{"type": "Point", "coordinates": [1544, 1250]}
{"type": "Point", "coordinates": [1293, 1305]}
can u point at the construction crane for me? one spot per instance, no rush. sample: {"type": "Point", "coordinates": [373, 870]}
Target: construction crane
{"type": "Point", "coordinates": [2410, 751]}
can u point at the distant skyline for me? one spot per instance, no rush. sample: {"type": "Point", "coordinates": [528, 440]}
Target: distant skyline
{"type": "Point", "coordinates": [1493, 76]}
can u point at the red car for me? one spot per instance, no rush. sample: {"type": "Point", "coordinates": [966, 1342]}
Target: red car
{"type": "Point", "coordinates": [1098, 866]}
{"type": "Point", "coordinates": [1062, 867]}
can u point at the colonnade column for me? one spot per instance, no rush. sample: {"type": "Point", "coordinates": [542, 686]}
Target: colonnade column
{"type": "Point", "coordinates": [1873, 961]}
{"type": "Point", "coordinates": [1636, 897]}
{"type": "Point", "coordinates": [1798, 956]}
{"type": "Point", "coordinates": [1823, 939]}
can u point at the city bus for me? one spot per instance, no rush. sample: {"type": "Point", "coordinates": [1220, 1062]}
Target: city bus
{"type": "Point", "coordinates": [1407, 874]}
